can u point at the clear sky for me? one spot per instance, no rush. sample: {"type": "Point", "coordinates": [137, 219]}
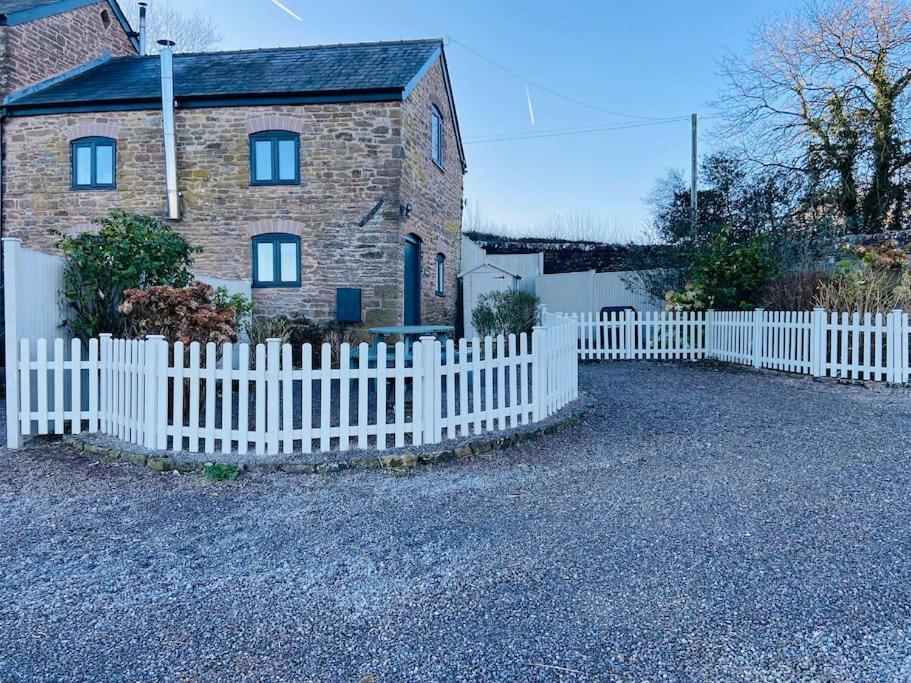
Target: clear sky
{"type": "Point", "coordinates": [645, 58]}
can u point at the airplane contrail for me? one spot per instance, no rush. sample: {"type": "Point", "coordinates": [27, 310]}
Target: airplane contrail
{"type": "Point", "coordinates": [285, 8]}
{"type": "Point", "coordinates": [531, 111]}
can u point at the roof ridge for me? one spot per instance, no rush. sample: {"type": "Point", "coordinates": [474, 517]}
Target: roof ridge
{"type": "Point", "coordinates": [293, 48]}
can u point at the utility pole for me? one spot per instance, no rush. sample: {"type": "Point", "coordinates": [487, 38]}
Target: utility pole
{"type": "Point", "coordinates": [694, 175]}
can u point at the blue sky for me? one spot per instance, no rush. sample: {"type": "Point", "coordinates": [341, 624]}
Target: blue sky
{"type": "Point", "coordinates": [650, 59]}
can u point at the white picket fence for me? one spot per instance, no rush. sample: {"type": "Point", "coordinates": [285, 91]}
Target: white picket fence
{"type": "Point", "coordinates": [843, 345]}
{"type": "Point", "coordinates": [235, 398]}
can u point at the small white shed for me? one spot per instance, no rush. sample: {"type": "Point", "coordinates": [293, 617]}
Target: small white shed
{"type": "Point", "coordinates": [480, 280]}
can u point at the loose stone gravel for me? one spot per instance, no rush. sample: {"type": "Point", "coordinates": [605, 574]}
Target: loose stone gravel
{"type": "Point", "coordinates": [701, 524]}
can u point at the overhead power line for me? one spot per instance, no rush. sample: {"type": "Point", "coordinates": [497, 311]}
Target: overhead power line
{"type": "Point", "coordinates": [550, 91]}
{"type": "Point", "coordinates": [483, 139]}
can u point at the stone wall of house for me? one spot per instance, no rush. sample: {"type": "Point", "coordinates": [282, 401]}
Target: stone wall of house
{"type": "Point", "coordinates": [351, 158]}
{"type": "Point", "coordinates": [40, 49]}
{"type": "Point", "coordinates": [434, 193]}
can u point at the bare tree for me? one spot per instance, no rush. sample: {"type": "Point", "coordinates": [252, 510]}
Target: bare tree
{"type": "Point", "coordinates": [196, 32]}
{"type": "Point", "coordinates": [825, 95]}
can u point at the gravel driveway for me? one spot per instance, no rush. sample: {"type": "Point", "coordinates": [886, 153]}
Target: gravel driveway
{"type": "Point", "coordinates": [703, 524]}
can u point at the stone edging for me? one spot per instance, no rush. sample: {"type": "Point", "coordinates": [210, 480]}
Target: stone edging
{"type": "Point", "coordinates": [480, 446]}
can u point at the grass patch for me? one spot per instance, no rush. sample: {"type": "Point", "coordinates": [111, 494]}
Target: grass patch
{"type": "Point", "coordinates": [220, 472]}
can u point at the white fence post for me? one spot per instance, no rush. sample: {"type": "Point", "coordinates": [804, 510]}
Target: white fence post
{"type": "Point", "coordinates": [538, 374]}
{"type": "Point", "coordinates": [897, 346]}
{"type": "Point", "coordinates": [12, 249]}
{"type": "Point", "coordinates": [152, 391]}
{"type": "Point", "coordinates": [105, 400]}
{"type": "Point", "coordinates": [430, 386]}
{"type": "Point", "coordinates": [708, 338]}
{"type": "Point", "coordinates": [818, 342]}
{"type": "Point", "coordinates": [758, 334]}
{"type": "Point", "coordinates": [629, 330]}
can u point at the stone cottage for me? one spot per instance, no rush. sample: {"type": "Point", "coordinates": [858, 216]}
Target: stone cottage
{"type": "Point", "coordinates": [306, 170]}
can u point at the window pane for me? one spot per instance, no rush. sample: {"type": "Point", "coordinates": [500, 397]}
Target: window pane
{"type": "Point", "coordinates": [262, 160]}
{"type": "Point", "coordinates": [104, 159]}
{"type": "Point", "coordinates": [265, 262]}
{"type": "Point", "coordinates": [287, 163]}
{"type": "Point", "coordinates": [288, 262]}
{"type": "Point", "coordinates": [83, 165]}
{"type": "Point", "coordinates": [435, 136]}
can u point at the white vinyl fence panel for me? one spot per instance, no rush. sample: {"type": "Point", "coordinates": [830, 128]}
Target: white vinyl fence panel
{"type": "Point", "coordinates": [822, 344]}
{"type": "Point", "coordinates": [210, 399]}
{"type": "Point", "coordinates": [587, 292]}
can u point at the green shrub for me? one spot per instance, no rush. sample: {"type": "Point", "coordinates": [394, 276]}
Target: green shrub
{"type": "Point", "coordinates": [130, 251]}
{"type": "Point", "coordinates": [217, 472]}
{"type": "Point", "coordinates": [506, 312]}
{"type": "Point", "coordinates": [242, 306]}
{"type": "Point", "coordinates": [726, 275]}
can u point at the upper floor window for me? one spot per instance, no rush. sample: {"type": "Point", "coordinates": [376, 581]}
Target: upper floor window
{"type": "Point", "coordinates": [441, 275]}
{"type": "Point", "coordinates": [436, 136]}
{"type": "Point", "coordinates": [94, 163]}
{"type": "Point", "coordinates": [275, 158]}
{"type": "Point", "coordinates": [276, 260]}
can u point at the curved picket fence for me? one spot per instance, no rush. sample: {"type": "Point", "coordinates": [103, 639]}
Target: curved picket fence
{"type": "Point", "coordinates": [819, 343]}
{"type": "Point", "coordinates": [272, 398]}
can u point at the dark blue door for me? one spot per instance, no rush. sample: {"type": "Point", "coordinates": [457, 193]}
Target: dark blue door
{"type": "Point", "coordinates": [412, 280]}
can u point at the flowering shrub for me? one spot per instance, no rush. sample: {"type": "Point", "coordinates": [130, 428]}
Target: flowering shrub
{"type": "Point", "coordinates": [691, 298]}
{"type": "Point", "coordinates": [185, 314]}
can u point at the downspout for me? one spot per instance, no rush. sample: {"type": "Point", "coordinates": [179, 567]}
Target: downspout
{"type": "Point", "coordinates": [143, 36]}
{"type": "Point", "coordinates": [2, 150]}
{"type": "Point", "coordinates": [167, 118]}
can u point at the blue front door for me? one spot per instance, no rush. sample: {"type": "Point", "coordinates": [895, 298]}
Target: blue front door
{"type": "Point", "coordinates": [412, 280]}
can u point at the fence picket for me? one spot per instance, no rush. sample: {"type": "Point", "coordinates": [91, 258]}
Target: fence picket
{"type": "Point", "coordinates": [287, 381]}
{"type": "Point", "coordinates": [325, 398]}
{"type": "Point", "coordinates": [307, 399]}
{"type": "Point", "coordinates": [382, 378]}
{"type": "Point", "coordinates": [243, 399]}
{"type": "Point", "coordinates": [273, 394]}
{"type": "Point", "coordinates": [399, 388]}
{"type": "Point", "coordinates": [209, 429]}
{"type": "Point", "coordinates": [75, 386]}
{"type": "Point", "coordinates": [178, 396]}
{"type": "Point", "coordinates": [259, 400]}
{"type": "Point", "coordinates": [464, 375]}
{"type": "Point", "coordinates": [344, 396]}
{"type": "Point", "coordinates": [363, 387]}
{"type": "Point", "coordinates": [227, 399]}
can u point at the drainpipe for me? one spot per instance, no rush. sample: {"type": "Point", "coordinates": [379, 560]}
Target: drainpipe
{"type": "Point", "coordinates": [167, 117]}
{"type": "Point", "coordinates": [143, 36]}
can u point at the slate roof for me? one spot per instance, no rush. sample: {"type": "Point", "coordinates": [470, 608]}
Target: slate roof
{"type": "Point", "coordinates": [330, 69]}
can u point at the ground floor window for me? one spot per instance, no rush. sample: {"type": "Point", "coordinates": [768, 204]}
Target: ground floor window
{"type": "Point", "coordinates": [276, 260]}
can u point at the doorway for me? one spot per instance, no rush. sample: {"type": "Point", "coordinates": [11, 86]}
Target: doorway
{"type": "Point", "coordinates": [413, 265]}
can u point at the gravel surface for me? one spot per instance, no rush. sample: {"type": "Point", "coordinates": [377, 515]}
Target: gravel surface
{"type": "Point", "coordinates": [702, 524]}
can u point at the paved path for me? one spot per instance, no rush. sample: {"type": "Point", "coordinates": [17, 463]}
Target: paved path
{"type": "Point", "coordinates": [703, 524]}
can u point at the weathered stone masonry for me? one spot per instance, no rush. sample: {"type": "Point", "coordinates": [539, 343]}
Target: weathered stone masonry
{"type": "Point", "coordinates": [43, 48]}
{"type": "Point", "coordinates": [352, 156]}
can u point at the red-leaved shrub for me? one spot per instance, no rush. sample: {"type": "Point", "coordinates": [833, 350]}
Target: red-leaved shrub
{"type": "Point", "coordinates": [184, 314]}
